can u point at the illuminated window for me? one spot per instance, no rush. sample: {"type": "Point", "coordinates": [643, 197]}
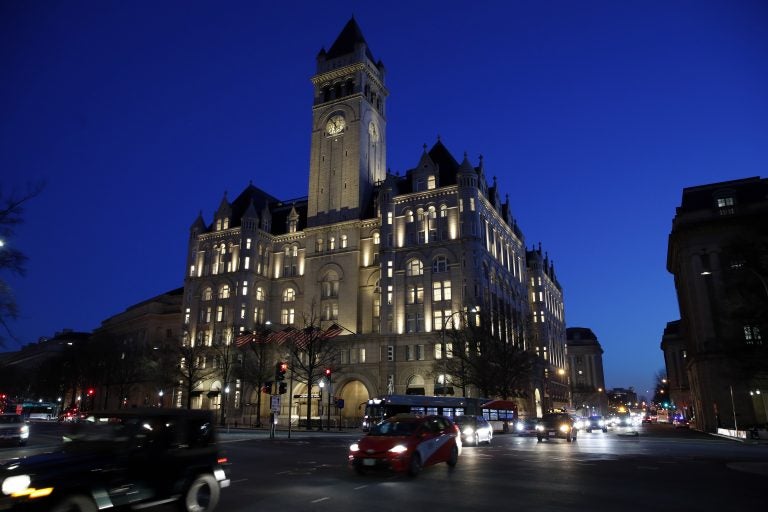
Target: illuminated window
{"type": "Point", "coordinates": [389, 217]}
{"type": "Point", "coordinates": [286, 316]}
{"type": "Point", "coordinates": [332, 243]}
{"type": "Point", "coordinates": [409, 216]}
{"type": "Point", "coordinates": [343, 241]}
{"type": "Point", "coordinates": [472, 204]}
{"type": "Point", "coordinates": [220, 313]}
{"type": "Point", "coordinates": [259, 293]}
{"type": "Point", "coordinates": [441, 290]}
{"type": "Point", "coordinates": [752, 335]}
{"type": "Point", "coordinates": [207, 294]}
{"type": "Point", "coordinates": [726, 205]}
{"type": "Point", "coordinates": [224, 292]}
{"type": "Point", "coordinates": [414, 267]}
{"type": "Point", "coordinates": [289, 295]}
{"type": "Point", "coordinates": [245, 288]}
{"type": "Point", "coordinates": [186, 316]}
{"type": "Point", "coordinates": [319, 245]}
{"type": "Point", "coordinates": [443, 211]}
{"type": "Point", "coordinates": [431, 182]}
{"type": "Point", "coordinates": [247, 243]}
{"type": "Point", "coordinates": [389, 268]}
{"type": "Point", "coordinates": [389, 295]}
{"type": "Point", "coordinates": [376, 239]}
{"type": "Point", "coordinates": [415, 294]}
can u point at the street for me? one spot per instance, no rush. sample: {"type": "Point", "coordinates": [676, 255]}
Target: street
{"type": "Point", "coordinates": [659, 468]}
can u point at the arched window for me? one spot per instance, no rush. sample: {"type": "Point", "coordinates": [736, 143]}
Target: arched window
{"type": "Point", "coordinates": [343, 241]}
{"type": "Point", "coordinates": [332, 243]}
{"type": "Point", "coordinates": [259, 293]}
{"type": "Point", "coordinates": [409, 216]}
{"type": "Point", "coordinates": [330, 285]}
{"type": "Point", "coordinates": [376, 238]}
{"type": "Point", "coordinates": [289, 295]}
{"type": "Point", "coordinates": [439, 264]}
{"type": "Point", "coordinates": [414, 267]}
{"type": "Point", "coordinates": [443, 210]}
{"type": "Point", "coordinates": [224, 292]}
{"type": "Point", "coordinates": [207, 294]}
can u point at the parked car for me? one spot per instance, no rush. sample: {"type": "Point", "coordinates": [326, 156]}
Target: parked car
{"type": "Point", "coordinates": [130, 458]}
{"type": "Point", "coordinates": [556, 425]}
{"type": "Point", "coordinates": [526, 427]}
{"type": "Point", "coordinates": [474, 429]}
{"type": "Point", "coordinates": [407, 443]}
{"type": "Point", "coordinates": [13, 429]}
{"type": "Point", "coordinates": [596, 423]}
{"type": "Point", "coordinates": [680, 422]}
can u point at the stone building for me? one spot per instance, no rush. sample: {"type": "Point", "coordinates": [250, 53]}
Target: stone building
{"type": "Point", "coordinates": [585, 358]}
{"type": "Point", "coordinates": [718, 255]}
{"type": "Point", "coordinates": [393, 260]}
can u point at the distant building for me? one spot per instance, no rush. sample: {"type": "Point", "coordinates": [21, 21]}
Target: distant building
{"type": "Point", "coordinates": [673, 346]}
{"type": "Point", "coordinates": [718, 255]}
{"type": "Point", "coordinates": [585, 357]}
{"type": "Point", "coordinates": [622, 397]}
{"type": "Point", "coordinates": [394, 260]}
{"type": "Point", "coordinates": [139, 335]}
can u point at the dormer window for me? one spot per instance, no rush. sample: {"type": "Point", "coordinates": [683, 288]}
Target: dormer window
{"type": "Point", "coordinates": [725, 205]}
{"type": "Point", "coordinates": [431, 182]}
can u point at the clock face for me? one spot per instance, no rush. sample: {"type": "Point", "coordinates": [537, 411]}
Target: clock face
{"type": "Point", "coordinates": [335, 125]}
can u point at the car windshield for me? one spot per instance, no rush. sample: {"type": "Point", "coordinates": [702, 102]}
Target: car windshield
{"type": "Point", "coordinates": [394, 428]}
{"type": "Point", "coordinates": [464, 420]}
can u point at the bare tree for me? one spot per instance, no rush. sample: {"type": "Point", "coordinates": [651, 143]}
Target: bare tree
{"type": "Point", "coordinates": [259, 356]}
{"type": "Point", "coordinates": [496, 367]}
{"type": "Point", "coordinates": [11, 258]}
{"type": "Point", "coordinates": [311, 350]}
{"type": "Point", "coordinates": [185, 362]}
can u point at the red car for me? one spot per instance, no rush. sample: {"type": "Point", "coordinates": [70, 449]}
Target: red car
{"type": "Point", "coordinates": [406, 443]}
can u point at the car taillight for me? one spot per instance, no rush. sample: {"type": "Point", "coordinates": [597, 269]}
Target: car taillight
{"type": "Point", "coordinates": [221, 460]}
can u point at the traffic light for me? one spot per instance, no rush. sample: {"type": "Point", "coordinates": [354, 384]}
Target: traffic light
{"type": "Point", "coordinates": [282, 388]}
{"type": "Point", "coordinates": [328, 372]}
{"type": "Point", "coordinates": [267, 388]}
{"type": "Point", "coordinates": [280, 369]}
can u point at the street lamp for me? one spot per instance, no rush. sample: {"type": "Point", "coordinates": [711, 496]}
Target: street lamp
{"type": "Point", "coordinates": [757, 392]}
{"type": "Point", "coordinates": [321, 385]}
{"type": "Point", "coordinates": [160, 395]}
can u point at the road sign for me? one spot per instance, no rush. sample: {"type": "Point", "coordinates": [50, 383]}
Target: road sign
{"type": "Point", "coordinates": [275, 403]}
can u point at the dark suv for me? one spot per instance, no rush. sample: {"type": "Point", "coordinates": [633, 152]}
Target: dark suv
{"type": "Point", "coordinates": [132, 457]}
{"type": "Point", "coordinates": [556, 425]}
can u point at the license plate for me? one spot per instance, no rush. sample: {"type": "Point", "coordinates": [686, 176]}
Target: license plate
{"type": "Point", "coordinates": [552, 432]}
{"type": "Point", "coordinates": [369, 462]}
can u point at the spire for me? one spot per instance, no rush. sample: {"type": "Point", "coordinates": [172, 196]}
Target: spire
{"type": "Point", "coordinates": [348, 40]}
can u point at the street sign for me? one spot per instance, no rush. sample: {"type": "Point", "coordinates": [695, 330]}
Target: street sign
{"type": "Point", "coordinates": [340, 403]}
{"type": "Point", "coordinates": [275, 403]}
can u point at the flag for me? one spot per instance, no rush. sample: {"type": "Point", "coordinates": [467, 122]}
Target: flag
{"type": "Point", "coordinates": [332, 331]}
{"type": "Point", "coordinates": [304, 336]}
{"type": "Point", "coordinates": [281, 336]}
{"type": "Point", "coordinates": [245, 338]}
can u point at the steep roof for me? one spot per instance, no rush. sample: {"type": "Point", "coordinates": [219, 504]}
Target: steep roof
{"type": "Point", "coordinates": [345, 43]}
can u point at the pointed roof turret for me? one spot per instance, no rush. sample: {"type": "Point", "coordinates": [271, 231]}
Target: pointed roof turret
{"type": "Point", "coordinates": [224, 207]}
{"type": "Point", "coordinates": [199, 225]}
{"type": "Point", "coordinates": [466, 166]}
{"type": "Point", "coordinates": [350, 37]}
{"type": "Point", "coordinates": [426, 162]}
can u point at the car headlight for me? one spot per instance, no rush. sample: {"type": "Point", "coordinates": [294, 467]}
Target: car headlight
{"type": "Point", "coordinates": [400, 448]}
{"type": "Point", "coordinates": [468, 431]}
{"type": "Point", "coordinates": [354, 447]}
{"type": "Point", "coordinates": [601, 423]}
{"type": "Point", "coordinates": [564, 428]}
{"type": "Point", "coordinates": [520, 425]}
{"type": "Point", "coordinates": [540, 428]}
{"type": "Point", "coordinates": [16, 484]}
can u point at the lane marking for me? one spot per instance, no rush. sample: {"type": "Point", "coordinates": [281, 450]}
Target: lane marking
{"type": "Point", "coordinates": [320, 499]}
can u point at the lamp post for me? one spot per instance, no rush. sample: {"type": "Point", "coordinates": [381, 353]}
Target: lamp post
{"type": "Point", "coordinates": [321, 385]}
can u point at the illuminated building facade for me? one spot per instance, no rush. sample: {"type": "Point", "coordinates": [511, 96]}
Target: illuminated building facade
{"type": "Point", "coordinates": [392, 259]}
{"type": "Point", "coordinates": [586, 371]}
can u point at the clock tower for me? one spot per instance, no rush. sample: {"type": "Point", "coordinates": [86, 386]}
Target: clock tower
{"type": "Point", "coordinates": [348, 152]}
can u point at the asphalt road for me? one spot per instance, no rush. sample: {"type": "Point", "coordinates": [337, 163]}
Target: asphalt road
{"type": "Point", "coordinates": [656, 468]}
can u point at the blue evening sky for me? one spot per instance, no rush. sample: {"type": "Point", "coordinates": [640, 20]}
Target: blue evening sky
{"type": "Point", "coordinates": [593, 115]}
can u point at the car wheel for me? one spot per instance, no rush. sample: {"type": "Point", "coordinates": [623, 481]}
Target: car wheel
{"type": "Point", "coordinates": [605, 430]}
{"type": "Point", "coordinates": [202, 495]}
{"type": "Point", "coordinates": [538, 438]}
{"type": "Point", "coordinates": [75, 503]}
{"type": "Point", "coordinates": [589, 431]}
{"type": "Point", "coordinates": [454, 458]}
{"type": "Point", "coordinates": [415, 466]}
